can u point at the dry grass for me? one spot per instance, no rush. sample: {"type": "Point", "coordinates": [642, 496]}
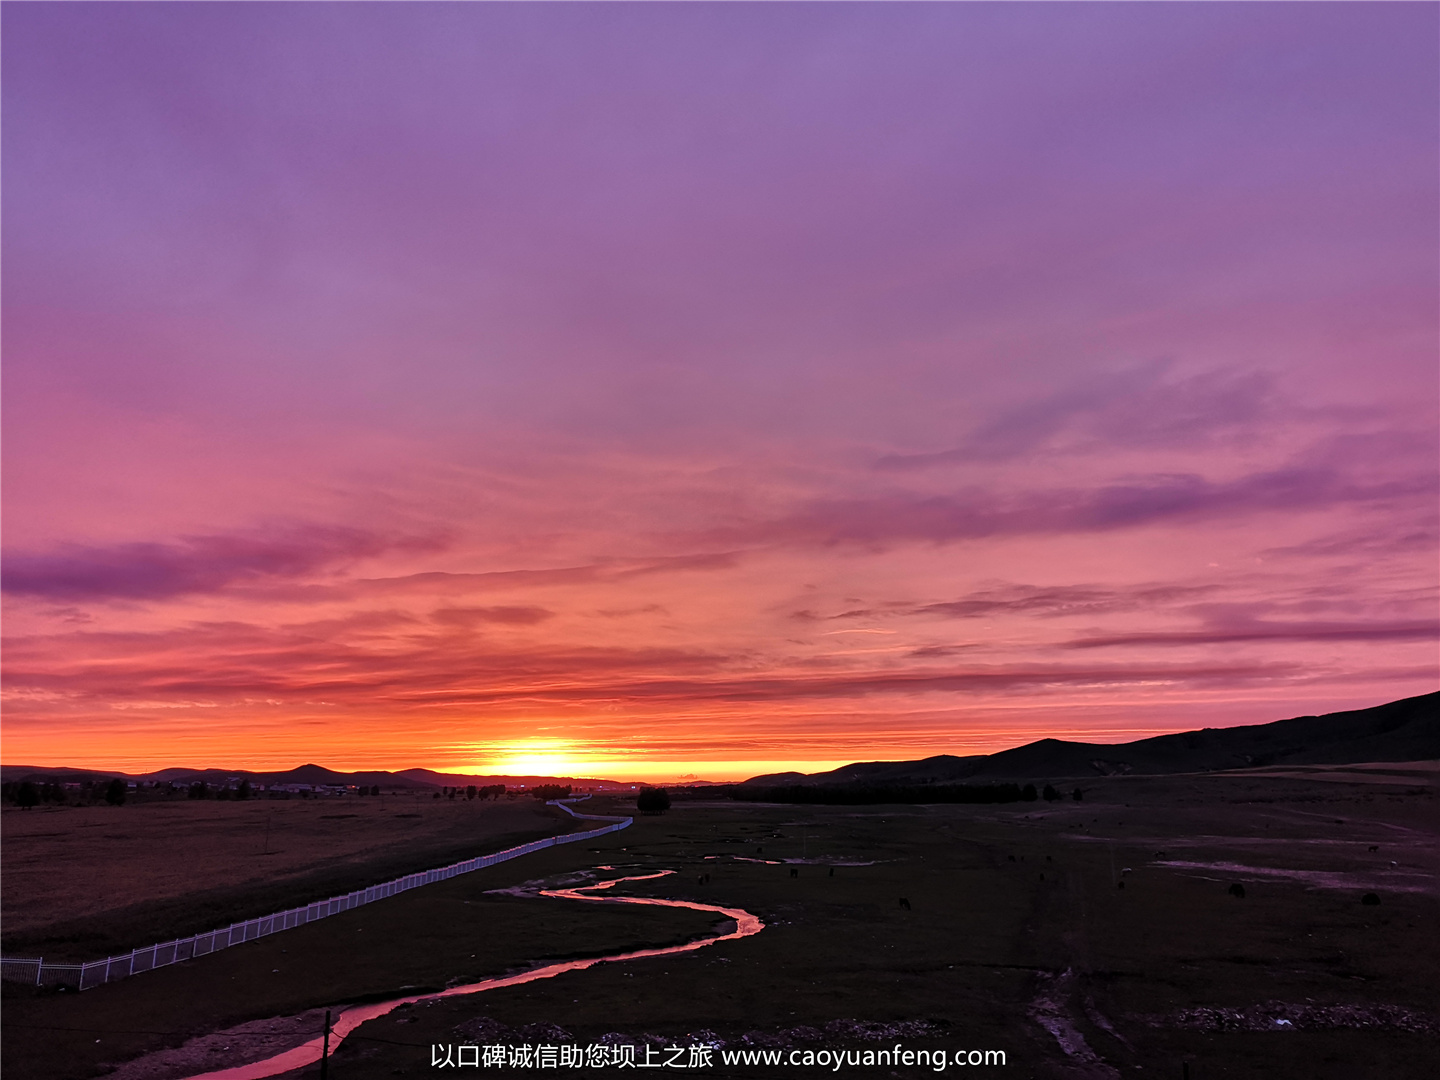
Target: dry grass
{"type": "Point", "coordinates": [84, 882]}
{"type": "Point", "coordinates": [990, 954]}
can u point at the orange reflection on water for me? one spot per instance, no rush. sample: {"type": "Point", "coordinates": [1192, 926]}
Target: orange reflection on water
{"type": "Point", "coordinates": [746, 924]}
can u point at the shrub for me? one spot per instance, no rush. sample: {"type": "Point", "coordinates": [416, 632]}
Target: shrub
{"type": "Point", "coordinates": [26, 795]}
{"type": "Point", "coordinates": [652, 800]}
{"type": "Point", "coordinates": [115, 792]}
{"type": "Point", "coordinates": [546, 792]}
{"type": "Point", "coordinates": [1028, 793]}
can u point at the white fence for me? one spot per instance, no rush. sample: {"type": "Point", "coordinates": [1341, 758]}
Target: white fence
{"type": "Point", "coordinates": [84, 976]}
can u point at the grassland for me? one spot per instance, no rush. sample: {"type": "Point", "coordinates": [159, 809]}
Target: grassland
{"type": "Point", "coordinates": [84, 882]}
{"type": "Point", "coordinates": [1018, 937]}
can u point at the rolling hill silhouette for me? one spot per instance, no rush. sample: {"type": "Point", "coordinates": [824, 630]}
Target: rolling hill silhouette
{"type": "Point", "coordinates": [1404, 730]}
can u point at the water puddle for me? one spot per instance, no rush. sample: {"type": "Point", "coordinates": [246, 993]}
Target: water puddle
{"type": "Point", "coordinates": [746, 924]}
{"type": "Point", "coordinates": [1391, 880]}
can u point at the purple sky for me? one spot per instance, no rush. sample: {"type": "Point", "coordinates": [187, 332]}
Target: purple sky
{"type": "Point", "coordinates": [660, 389]}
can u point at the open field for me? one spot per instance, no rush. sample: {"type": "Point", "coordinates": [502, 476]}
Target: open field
{"type": "Point", "coordinates": [1045, 957]}
{"type": "Point", "coordinates": [86, 882]}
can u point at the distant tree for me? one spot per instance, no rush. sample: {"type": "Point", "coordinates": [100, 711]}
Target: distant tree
{"type": "Point", "coordinates": [244, 791]}
{"type": "Point", "coordinates": [470, 792]}
{"type": "Point", "coordinates": [652, 800]}
{"type": "Point", "coordinates": [115, 792]}
{"type": "Point", "coordinates": [223, 792]}
{"type": "Point", "coordinates": [363, 790]}
{"type": "Point", "coordinates": [199, 790]}
{"type": "Point", "coordinates": [26, 795]}
{"type": "Point", "coordinates": [437, 795]}
{"type": "Point", "coordinates": [1028, 793]}
{"type": "Point", "coordinates": [52, 791]}
{"type": "Point", "coordinates": [450, 793]}
{"type": "Point", "coordinates": [374, 789]}
{"type": "Point", "coordinates": [1050, 793]}
{"type": "Point", "coordinates": [1077, 795]}
{"type": "Point", "coordinates": [545, 792]}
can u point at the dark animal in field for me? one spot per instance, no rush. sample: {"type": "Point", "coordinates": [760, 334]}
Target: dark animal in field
{"type": "Point", "coordinates": [905, 903]}
{"type": "Point", "coordinates": [1374, 847]}
{"type": "Point", "coordinates": [1042, 876]}
{"type": "Point", "coordinates": [832, 871]}
{"type": "Point", "coordinates": [1011, 858]}
{"type": "Point", "coordinates": [1048, 859]}
{"type": "Point", "coordinates": [1120, 884]}
{"type": "Point", "coordinates": [759, 850]}
{"type": "Point", "coordinates": [1369, 899]}
{"type": "Point", "coordinates": [794, 872]}
{"type": "Point", "coordinates": [1237, 890]}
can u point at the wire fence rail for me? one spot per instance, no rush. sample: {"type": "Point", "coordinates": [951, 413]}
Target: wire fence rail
{"type": "Point", "coordinates": [84, 976]}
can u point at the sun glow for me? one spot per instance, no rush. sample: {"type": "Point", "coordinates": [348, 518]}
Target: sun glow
{"type": "Point", "coordinates": [533, 757]}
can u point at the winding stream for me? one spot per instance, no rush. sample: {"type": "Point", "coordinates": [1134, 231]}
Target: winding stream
{"type": "Point", "coordinates": [746, 924]}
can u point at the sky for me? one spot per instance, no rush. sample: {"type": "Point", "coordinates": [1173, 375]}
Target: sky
{"type": "Point", "coordinates": [658, 391]}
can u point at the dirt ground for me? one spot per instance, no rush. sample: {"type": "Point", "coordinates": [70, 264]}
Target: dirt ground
{"type": "Point", "coordinates": [1016, 935]}
{"type": "Point", "coordinates": [82, 883]}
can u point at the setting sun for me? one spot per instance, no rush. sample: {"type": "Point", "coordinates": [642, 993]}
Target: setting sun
{"type": "Point", "coordinates": [532, 757]}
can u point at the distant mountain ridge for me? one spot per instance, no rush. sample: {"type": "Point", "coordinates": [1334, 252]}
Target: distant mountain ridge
{"type": "Point", "coordinates": [303, 774]}
{"type": "Point", "coordinates": [1404, 730]}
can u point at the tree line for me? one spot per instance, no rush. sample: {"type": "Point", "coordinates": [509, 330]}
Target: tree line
{"type": "Point", "coordinates": [866, 794]}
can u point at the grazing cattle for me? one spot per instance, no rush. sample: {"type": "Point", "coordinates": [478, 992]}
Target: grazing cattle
{"type": "Point", "coordinates": [759, 850]}
{"type": "Point", "coordinates": [794, 872]}
{"type": "Point", "coordinates": [832, 871]}
{"type": "Point", "coordinates": [1370, 899]}
{"type": "Point", "coordinates": [905, 903]}
{"type": "Point", "coordinates": [1374, 847]}
{"type": "Point", "coordinates": [1120, 884]}
{"type": "Point", "coordinates": [1237, 890]}
{"type": "Point", "coordinates": [1011, 858]}
{"type": "Point", "coordinates": [1048, 859]}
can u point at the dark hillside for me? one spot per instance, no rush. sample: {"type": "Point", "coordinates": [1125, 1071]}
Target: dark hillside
{"type": "Point", "coordinates": [1405, 730]}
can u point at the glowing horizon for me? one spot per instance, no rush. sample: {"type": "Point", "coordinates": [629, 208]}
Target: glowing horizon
{"type": "Point", "coordinates": [695, 387]}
